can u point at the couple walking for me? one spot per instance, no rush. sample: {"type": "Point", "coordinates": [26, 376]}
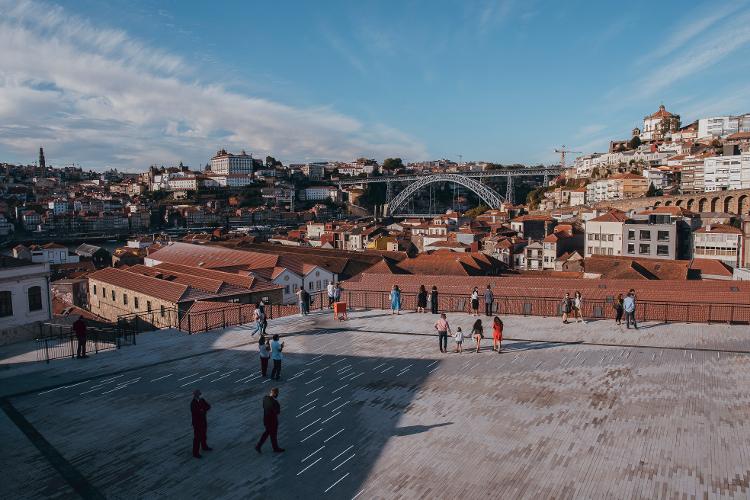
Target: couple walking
{"type": "Point", "coordinates": [489, 298]}
{"type": "Point", "coordinates": [477, 331]}
{"type": "Point", "coordinates": [572, 306]}
{"type": "Point", "coordinates": [423, 298]}
{"type": "Point", "coordinates": [270, 351]}
{"type": "Point", "coordinates": [626, 305]}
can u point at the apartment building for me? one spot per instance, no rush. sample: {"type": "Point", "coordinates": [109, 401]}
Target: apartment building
{"type": "Point", "coordinates": [727, 172]}
{"type": "Point", "coordinates": [722, 126]}
{"type": "Point", "coordinates": [228, 163]}
{"type": "Point", "coordinates": [719, 241]}
{"type": "Point", "coordinates": [661, 233]}
{"type": "Point", "coordinates": [604, 234]}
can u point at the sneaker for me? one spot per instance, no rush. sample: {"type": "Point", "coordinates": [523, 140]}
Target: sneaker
{"type": "Point", "coordinates": [279, 450]}
{"type": "Point", "coordinates": [197, 456]}
{"type": "Point", "coordinates": [208, 448]}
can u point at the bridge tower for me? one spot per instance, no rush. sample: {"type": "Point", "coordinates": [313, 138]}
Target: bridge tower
{"type": "Point", "coordinates": [509, 190]}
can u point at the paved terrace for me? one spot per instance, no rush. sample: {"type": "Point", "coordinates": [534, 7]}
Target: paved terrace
{"type": "Point", "coordinates": [371, 409]}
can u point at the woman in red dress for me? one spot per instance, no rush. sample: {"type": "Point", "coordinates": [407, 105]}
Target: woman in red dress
{"type": "Point", "coordinates": [497, 334]}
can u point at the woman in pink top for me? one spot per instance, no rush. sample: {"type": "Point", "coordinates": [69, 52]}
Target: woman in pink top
{"type": "Point", "coordinates": [443, 328]}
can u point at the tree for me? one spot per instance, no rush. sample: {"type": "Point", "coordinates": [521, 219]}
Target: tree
{"type": "Point", "coordinates": [634, 142]}
{"type": "Point", "coordinates": [392, 164]}
{"type": "Point", "coordinates": [479, 210]}
{"type": "Point", "coordinates": [652, 191]}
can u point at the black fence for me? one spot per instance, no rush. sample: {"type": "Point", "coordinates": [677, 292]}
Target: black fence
{"type": "Point", "coordinates": [59, 342]}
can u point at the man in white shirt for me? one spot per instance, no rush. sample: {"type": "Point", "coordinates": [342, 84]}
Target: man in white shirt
{"type": "Point", "coordinates": [276, 357]}
{"type": "Point", "coordinates": [331, 290]}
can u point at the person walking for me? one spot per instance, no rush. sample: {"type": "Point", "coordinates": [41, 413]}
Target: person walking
{"type": "Point", "coordinates": [489, 298]}
{"type": "Point", "coordinates": [578, 307]}
{"type": "Point", "coordinates": [198, 409]}
{"type": "Point", "coordinates": [566, 306]}
{"type": "Point", "coordinates": [331, 292]}
{"type": "Point", "coordinates": [422, 299]}
{"type": "Point", "coordinates": [337, 293]}
{"type": "Point", "coordinates": [79, 328]}
{"type": "Point", "coordinates": [443, 328]}
{"type": "Point", "coordinates": [459, 338]}
{"type": "Point", "coordinates": [271, 412]}
{"type": "Point", "coordinates": [497, 334]}
{"type": "Point", "coordinates": [618, 309]}
{"type": "Point", "coordinates": [264, 351]}
{"type": "Point", "coordinates": [258, 317]}
{"type": "Point", "coordinates": [628, 304]}
{"type": "Point", "coordinates": [477, 331]}
{"type": "Point", "coordinates": [263, 317]}
{"type": "Point", "coordinates": [276, 356]}
{"type": "Point", "coordinates": [475, 302]}
{"type": "Point", "coordinates": [434, 300]}
{"type": "Point", "coordinates": [301, 300]}
{"type": "Point", "coordinates": [395, 297]}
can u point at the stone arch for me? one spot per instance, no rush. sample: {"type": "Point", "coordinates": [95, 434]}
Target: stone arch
{"type": "Point", "coordinates": [690, 203]}
{"type": "Point", "coordinates": [668, 203]}
{"type": "Point", "coordinates": [729, 204]}
{"type": "Point", "coordinates": [715, 203]}
{"type": "Point", "coordinates": [656, 204]}
{"type": "Point", "coordinates": [743, 205]}
{"type": "Point", "coordinates": [703, 205]}
{"type": "Point", "coordinates": [679, 202]}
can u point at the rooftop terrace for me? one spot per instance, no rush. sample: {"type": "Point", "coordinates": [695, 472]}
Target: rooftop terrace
{"type": "Point", "coordinates": [372, 409]}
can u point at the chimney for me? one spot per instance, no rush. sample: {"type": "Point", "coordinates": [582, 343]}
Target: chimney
{"type": "Point", "coordinates": [708, 227]}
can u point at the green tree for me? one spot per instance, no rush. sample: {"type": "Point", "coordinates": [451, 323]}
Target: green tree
{"type": "Point", "coordinates": [479, 210]}
{"type": "Point", "coordinates": [392, 164]}
{"type": "Point", "coordinates": [652, 191]}
{"type": "Point", "coordinates": [634, 142]}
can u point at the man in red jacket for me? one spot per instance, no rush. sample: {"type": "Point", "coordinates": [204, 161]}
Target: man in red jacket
{"type": "Point", "coordinates": [198, 409]}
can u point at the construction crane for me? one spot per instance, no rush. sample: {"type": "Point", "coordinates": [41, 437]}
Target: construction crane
{"type": "Point", "coordinates": [563, 152]}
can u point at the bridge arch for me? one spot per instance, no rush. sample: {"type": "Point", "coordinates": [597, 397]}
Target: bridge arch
{"type": "Point", "coordinates": [703, 205]}
{"type": "Point", "coordinates": [485, 193]}
{"type": "Point", "coordinates": [668, 203]}
{"type": "Point", "coordinates": [657, 204]}
{"type": "Point", "coordinates": [728, 205]}
{"type": "Point", "coordinates": [743, 205]}
{"type": "Point", "coordinates": [679, 202]}
{"type": "Point", "coordinates": [715, 204]}
{"type": "Point", "coordinates": [690, 204]}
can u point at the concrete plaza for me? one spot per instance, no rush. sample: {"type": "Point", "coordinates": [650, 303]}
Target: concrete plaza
{"type": "Point", "coordinates": [372, 409]}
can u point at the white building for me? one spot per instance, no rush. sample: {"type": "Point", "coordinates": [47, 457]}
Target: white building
{"type": "Point", "coordinates": [228, 180]}
{"type": "Point", "coordinates": [604, 234]}
{"type": "Point", "coordinates": [24, 298]}
{"type": "Point", "coordinates": [228, 163]}
{"type": "Point", "coordinates": [722, 126]}
{"type": "Point", "coordinates": [51, 253]}
{"type": "Point", "coordinates": [652, 124]}
{"type": "Point", "coordinates": [718, 241]}
{"type": "Point", "coordinates": [726, 172]}
{"type": "Point", "coordinates": [314, 171]}
{"type": "Point", "coordinates": [59, 206]}
{"type": "Point", "coordinates": [317, 193]}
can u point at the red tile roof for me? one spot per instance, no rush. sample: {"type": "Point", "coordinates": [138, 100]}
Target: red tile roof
{"type": "Point", "coordinates": [719, 228]}
{"type": "Point", "coordinates": [212, 257]}
{"type": "Point", "coordinates": [153, 287]}
{"type": "Point", "coordinates": [611, 216]}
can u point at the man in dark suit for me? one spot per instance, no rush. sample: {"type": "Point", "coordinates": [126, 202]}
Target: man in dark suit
{"type": "Point", "coordinates": [79, 328]}
{"type": "Point", "coordinates": [198, 409]}
{"type": "Point", "coordinates": [271, 411]}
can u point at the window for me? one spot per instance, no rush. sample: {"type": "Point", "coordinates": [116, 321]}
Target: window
{"type": "Point", "coordinates": [135, 302]}
{"type": "Point", "coordinates": [591, 250]}
{"type": "Point", "coordinates": [644, 249]}
{"type": "Point", "coordinates": [645, 235]}
{"type": "Point", "coordinates": [610, 251]}
{"type": "Point", "coordinates": [35, 298]}
{"type": "Point", "coordinates": [663, 236]}
{"type": "Point", "coordinates": [6, 304]}
{"type": "Point", "coordinates": [125, 299]}
{"type": "Point", "coordinates": [591, 236]}
{"type": "Point", "coordinates": [286, 289]}
{"type": "Point", "coordinates": [662, 250]}
{"type": "Point", "coordinates": [162, 311]}
{"type": "Point", "coordinates": [113, 295]}
{"type": "Point", "coordinates": [294, 288]}
{"type": "Point", "coordinates": [94, 289]}
{"type": "Point", "coordinates": [631, 248]}
{"type": "Point", "coordinates": [611, 237]}
{"type": "Point", "coordinates": [631, 234]}
{"type": "Point", "coordinates": [104, 292]}
{"type": "Point", "coordinates": [318, 284]}
{"type": "Point", "coordinates": [310, 285]}
{"type": "Point", "coordinates": [596, 237]}
{"type": "Point", "coordinates": [148, 305]}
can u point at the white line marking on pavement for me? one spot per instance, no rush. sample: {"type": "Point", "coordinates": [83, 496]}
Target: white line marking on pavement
{"type": "Point", "coordinates": [308, 403]}
{"type": "Point", "coordinates": [337, 390]}
{"type": "Point", "coordinates": [189, 376]}
{"type": "Point", "coordinates": [313, 380]}
{"type": "Point", "coordinates": [331, 401]}
{"type": "Point", "coordinates": [162, 377]}
{"type": "Point", "coordinates": [312, 362]}
{"type": "Point", "coordinates": [207, 374]}
{"type": "Point", "coordinates": [360, 374]}
{"type": "Point", "coordinates": [117, 388]}
{"type": "Point", "coordinates": [318, 371]}
{"type": "Point", "coordinates": [111, 379]}
{"type": "Point", "coordinates": [342, 463]}
{"type": "Point", "coordinates": [190, 382]}
{"type": "Point", "coordinates": [433, 369]}
{"type": "Point", "coordinates": [313, 463]}
{"type": "Point", "coordinates": [311, 423]}
{"type": "Point", "coordinates": [266, 380]}
{"type": "Point", "coordinates": [343, 368]}
{"type": "Point", "coordinates": [358, 494]}
{"type": "Point", "coordinates": [339, 361]}
{"type": "Point", "coordinates": [254, 378]}
{"type": "Point", "coordinates": [430, 363]}
{"type": "Point", "coordinates": [312, 407]}
{"type": "Point", "coordinates": [311, 435]}
{"type": "Point", "coordinates": [337, 456]}
{"type": "Point", "coordinates": [313, 453]}
{"type": "Point", "coordinates": [337, 482]}
{"type": "Point", "coordinates": [51, 390]}
{"type": "Point", "coordinates": [218, 378]}
{"type": "Point", "coordinates": [332, 416]}
{"type": "Point", "coordinates": [243, 378]}
{"type": "Point", "coordinates": [314, 391]}
{"type": "Point", "coordinates": [387, 369]}
{"type": "Point", "coordinates": [381, 364]}
{"type": "Point", "coordinates": [334, 435]}
{"type": "Point", "coordinates": [298, 374]}
{"type": "Point", "coordinates": [342, 404]}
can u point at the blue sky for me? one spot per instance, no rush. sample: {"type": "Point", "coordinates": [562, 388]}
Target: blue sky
{"type": "Point", "coordinates": [127, 84]}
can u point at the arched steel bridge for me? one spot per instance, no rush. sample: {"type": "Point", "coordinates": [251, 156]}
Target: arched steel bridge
{"type": "Point", "coordinates": [466, 179]}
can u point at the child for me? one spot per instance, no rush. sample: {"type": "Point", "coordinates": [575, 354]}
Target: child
{"type": "Point", "coordinates": [459, 338]}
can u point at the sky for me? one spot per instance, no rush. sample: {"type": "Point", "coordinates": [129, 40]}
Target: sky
{"type": "Point", "coordinates": [127, 84]}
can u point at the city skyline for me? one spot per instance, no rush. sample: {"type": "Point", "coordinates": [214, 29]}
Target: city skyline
{"type": "Point", "coordinates": [115, 86]}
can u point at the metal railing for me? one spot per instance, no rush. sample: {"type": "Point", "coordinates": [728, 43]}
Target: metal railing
{"type": "Point", "coordinates": [646, 310]}
{"type": "Point", "coordinates": [57, 341]}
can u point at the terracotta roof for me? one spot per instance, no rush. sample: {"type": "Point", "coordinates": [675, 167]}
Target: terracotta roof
{"type": "Point", "coordinates": [738, 136]}
{"type": "Point", "coordinates": [153, 287]}
{"type": "Point", "coordinates": [611, 216]}
{"type": "Point", "coordinates": [661, 113]}
{"type": "Point", "coordinates": [712, 267]}
{"type": "Point", "coordinates": [615, 267]}
{"type": "Point", "coordinates": [719, 228]}
{"type": "Point", "coordinates": [212, 257]}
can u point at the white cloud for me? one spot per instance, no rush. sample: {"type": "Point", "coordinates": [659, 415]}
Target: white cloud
{"type": "Point", "coordinates": [98, 97]}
